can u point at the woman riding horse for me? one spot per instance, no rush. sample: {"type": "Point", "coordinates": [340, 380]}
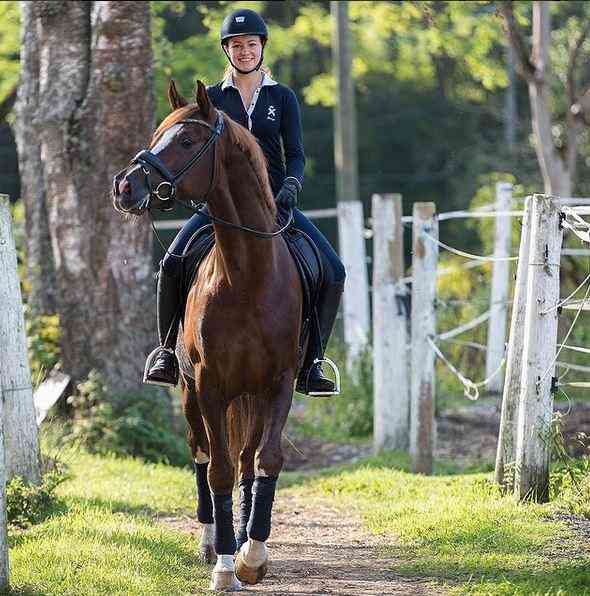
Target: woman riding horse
{"type": "Point", "coordinates": [270, 111]}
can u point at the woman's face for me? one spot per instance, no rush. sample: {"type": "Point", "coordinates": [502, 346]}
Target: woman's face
{"type": "Point", "coordinates": [245, 51]}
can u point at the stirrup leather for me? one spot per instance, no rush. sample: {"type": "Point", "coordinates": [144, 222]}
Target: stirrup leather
{"type": "Point", "coordinates": [336, 372]}
{"type": "Point", "coordinates": [149, 362]}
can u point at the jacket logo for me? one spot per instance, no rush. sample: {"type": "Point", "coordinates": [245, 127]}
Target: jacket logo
{"type": "Point", "coordinates": [240, 19]}
{"type": "Point", "coordinates": [271, 113]}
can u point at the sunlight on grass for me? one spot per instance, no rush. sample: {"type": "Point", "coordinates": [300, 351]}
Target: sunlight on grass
{"type": "Point", "coordinates": [103, 537]}
{"type": "Point", "coordinates": [457, 529]}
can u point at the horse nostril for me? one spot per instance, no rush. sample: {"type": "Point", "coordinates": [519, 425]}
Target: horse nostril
{"type": "Point", "coordinates": [124, 187]}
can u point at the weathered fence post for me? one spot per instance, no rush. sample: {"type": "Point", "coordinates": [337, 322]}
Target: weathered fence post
{"type": "Point", "coordinates": [506, 452]}
{"type": "Point", "coordinates": [500, 285]}
{"type": "Point", "coordinates": [390, 338]}
{"type": "Point", "coordinates": [424, 262]}
{"type": "Point", "coordinates": [351, 234]}
{"type": "Point", "coordinates": [535, 409]}
{"type": "Point", "coordinates": [21, 442]}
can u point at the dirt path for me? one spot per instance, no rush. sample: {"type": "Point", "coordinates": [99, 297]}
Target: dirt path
{"type": "Point", "coordinates": [315, 548]}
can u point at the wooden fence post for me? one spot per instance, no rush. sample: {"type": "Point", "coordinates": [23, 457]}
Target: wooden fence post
{"type": "Point", "coordinates": [506, 452]}
{"type": "Point", "coordinates": [424, 262]}
{"type": "Point", "coordinates": [535, 409]}
{"type": "Point", "coordinates": [20, 427]}
{"type": "Point", "coordinates": [500, 285]}
{"type": "Point", "coordinates": [351, 234]}
{"type": "Point", "coordinates": [390, 320]}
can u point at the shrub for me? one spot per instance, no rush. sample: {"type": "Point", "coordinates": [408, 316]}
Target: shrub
{"type": "Point", "coordinates": [28, 504]}
{"type": "Point", "coordinates": [127, 424]}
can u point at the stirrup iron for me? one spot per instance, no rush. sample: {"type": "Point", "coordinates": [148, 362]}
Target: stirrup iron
{"type": "Point", "coordinates": [336, 372]}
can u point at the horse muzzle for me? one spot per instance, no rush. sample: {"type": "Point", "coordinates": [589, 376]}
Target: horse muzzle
{"type": "Point", "coordinates": [131, 193]}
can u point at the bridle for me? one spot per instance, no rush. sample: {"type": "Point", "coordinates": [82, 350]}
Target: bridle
{"type": "Point", "coordinates": [166, 190]}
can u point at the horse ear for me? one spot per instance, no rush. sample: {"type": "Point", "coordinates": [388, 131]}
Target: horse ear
{"type": "Point", "coordinates": [176, 100]}
{"type": "Point", "coordinates": [202, 98]}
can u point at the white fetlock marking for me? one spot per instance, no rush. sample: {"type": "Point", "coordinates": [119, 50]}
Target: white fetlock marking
{"type": "Point", "coordinates": [224, 563]}
{"type": "Point", "coordinates": [223, 577]}
{"type": "Point", "coordinates": [207, 536]}
{"type": "Point", "coordinates": [254, 552]}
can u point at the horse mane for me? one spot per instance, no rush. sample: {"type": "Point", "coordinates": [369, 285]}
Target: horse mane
{"type": "Point", "coordinates": [238, 136]}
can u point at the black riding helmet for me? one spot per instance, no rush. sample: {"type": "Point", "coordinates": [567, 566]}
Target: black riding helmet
{"type": "Point", "coordinates": [243, 22]}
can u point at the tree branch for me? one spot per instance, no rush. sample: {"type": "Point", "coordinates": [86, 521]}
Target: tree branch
{"type": "Point", "coordinates": [572, 64]}
{"type": "Point", "coordinates": [515, 36]}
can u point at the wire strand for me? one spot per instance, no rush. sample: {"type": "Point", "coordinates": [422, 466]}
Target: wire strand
{"type": "Point", "coordinates": [467, 255]}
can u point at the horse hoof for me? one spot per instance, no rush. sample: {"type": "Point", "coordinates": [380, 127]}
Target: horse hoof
{"type": "Point", "coordinates": [250, 575]}
{"type": "Point", "coordinates": [225, 581]}
{"type": "Point", "coordinates": [207, 554]}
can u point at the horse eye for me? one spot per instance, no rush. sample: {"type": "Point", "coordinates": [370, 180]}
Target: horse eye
{"type": "Point", "coordinates": [186, 142]}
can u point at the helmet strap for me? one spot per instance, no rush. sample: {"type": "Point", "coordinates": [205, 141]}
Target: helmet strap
{"type": "Point", "coordinates": [245, 72]}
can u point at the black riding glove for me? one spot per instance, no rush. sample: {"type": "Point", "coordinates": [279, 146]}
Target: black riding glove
{"type": "Point", "coordinates": [287, 196]}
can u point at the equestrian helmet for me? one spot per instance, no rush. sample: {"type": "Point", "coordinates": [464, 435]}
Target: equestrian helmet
{"type": "Point", "coordinates": [243, 22]}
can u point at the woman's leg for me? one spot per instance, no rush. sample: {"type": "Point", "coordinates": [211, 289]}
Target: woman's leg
{"type": "Point", "coordinates": [162, 365]}
{"type": "Point", "coordinates": [311, 378]}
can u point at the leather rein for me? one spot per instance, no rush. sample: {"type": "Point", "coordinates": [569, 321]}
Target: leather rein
{"type": "Point", "coordinates": [166, 190]}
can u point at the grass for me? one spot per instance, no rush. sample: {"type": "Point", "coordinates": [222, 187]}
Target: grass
{"type": "Point", "coordinates": [456, 528]}
{"type": "Point", "coordinates": [103, 535]}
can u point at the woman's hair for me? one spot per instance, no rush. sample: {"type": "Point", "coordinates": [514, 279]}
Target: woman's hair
{"type": "Point", "coordinates": [229, 69]}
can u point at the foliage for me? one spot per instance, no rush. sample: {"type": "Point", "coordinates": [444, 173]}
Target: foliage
{"type": "Point", "coordinates": [27, 503]}
{"type": "Point", "coordinates": [349, 415]}
{"type": "Point", "coordinates": [135, 425]}
{"type": "Point", "coordinates": [43, 337]}
{"type": "Point", "coordinates": [9, 46]}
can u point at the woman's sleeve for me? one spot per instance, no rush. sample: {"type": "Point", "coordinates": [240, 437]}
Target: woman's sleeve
{"type": "Point", "coordinates": [293, 137]}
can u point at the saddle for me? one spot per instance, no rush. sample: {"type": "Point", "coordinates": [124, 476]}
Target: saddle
{"type": "Point", "coordinates": [307, 259]}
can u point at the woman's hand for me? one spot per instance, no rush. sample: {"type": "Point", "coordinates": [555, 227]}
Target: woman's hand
{"type": "Point", "coordinates": [287, 196]}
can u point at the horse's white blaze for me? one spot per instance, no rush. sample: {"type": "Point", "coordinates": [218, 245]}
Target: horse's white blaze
{"type": "Point", "coordinates": [254, 553]}
{"type": "Point", "coordinates": [223, 576]}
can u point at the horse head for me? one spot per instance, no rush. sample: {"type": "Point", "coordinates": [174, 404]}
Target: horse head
{"type": "Point", "coordinates": [180, 161]}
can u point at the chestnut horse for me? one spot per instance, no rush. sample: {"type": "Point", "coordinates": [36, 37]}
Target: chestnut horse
{"type": "Point", "coordinates": [241, 325]}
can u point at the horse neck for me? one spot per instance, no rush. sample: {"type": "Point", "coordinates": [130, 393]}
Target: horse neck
{"type": "Point", "coordinates": [242, 253]}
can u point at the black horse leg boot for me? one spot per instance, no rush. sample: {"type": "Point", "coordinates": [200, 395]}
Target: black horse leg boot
{"type": "Point", "coordinates": [311, 379]}
{"type": "Point", "coordinates": [162, 365]}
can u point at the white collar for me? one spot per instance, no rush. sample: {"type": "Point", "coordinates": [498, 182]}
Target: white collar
{"type": "Point", "coordinates": [267, 81]}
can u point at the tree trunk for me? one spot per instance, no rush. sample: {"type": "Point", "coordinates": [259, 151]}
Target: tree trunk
{"type": "Point", "coordinates": [557, 177]}
{"type": "Point", "coordinates": [95, 109]}
{"type": "Point", "coordinates": [40, 265]}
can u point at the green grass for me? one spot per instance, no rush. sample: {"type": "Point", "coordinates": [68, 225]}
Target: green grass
{"type": "Point", "coordinates": [456, 528]}
{"type": "Point", "coordinates": [102, 536]}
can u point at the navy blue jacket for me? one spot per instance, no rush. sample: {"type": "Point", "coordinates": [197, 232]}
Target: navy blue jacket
{"type": "Point", "coordinates": [273, 115]}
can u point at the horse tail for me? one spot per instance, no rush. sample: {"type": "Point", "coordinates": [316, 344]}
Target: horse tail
{"type": "Point", "coordinates": [240, 420]}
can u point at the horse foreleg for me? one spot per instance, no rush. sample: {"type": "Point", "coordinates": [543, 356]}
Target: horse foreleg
{"type": "Point", "coordinates": [246, 473]}
{"type": "Point", "coordinates": [252, 560]}
{"type": "Point", "coordinates": [220, 476]}
{"type": "Point", "coordinates": [197, 439]}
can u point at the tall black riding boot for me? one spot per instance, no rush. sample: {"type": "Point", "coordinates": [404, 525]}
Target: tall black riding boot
{"type": "Point", "coordinates": [162, 365]}
{"type": "Point", "coordinates": [311, 379]}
